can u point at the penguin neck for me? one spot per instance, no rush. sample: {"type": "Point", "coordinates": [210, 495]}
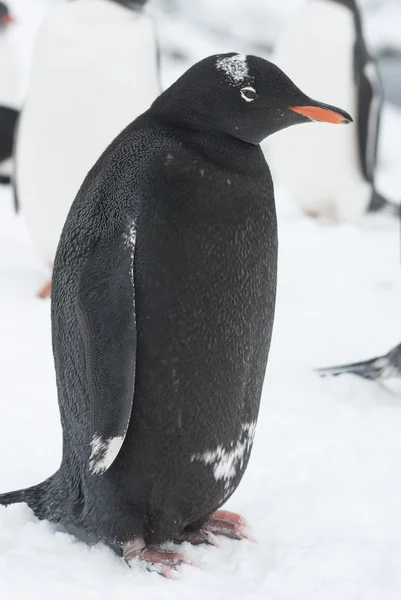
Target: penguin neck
{"type": "Point", "coordinates": [215, 146]}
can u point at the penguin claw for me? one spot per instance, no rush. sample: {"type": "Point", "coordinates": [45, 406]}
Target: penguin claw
{"type": "Point", "coordinates": [45, 291]}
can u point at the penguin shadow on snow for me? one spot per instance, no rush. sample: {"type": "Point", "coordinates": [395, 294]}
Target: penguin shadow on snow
{"type": "Point", "coordinates": [163, 297]}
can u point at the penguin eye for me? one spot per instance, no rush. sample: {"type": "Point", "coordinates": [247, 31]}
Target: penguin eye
{"type": "Point", "coordinates": [248, 94]}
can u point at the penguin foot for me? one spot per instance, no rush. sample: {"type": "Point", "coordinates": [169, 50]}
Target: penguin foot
{"type": "Point", "coordinates": [228, 524]}
{"type": "Point", "coordinates": [202, 536]}
{"type": "Point", "coordinates": [45, 291]}
{"type": "Point", "coordinates": [164, 563]}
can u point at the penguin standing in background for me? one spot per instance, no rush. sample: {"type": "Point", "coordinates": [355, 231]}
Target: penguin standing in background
{"type": "Point", "coordinates": [163, 299]}
{"type": "Point", "coordinates": [9, 94]}
{"type": "Point", "coordinates": [329, 174]}
{"type": "Point", "coordinates": [94, 69]}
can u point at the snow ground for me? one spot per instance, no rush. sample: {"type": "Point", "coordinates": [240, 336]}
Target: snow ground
{"type": "Point", "coordinates": [322, 491]}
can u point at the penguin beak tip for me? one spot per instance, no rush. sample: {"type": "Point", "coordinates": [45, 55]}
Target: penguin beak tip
{"type": "Point", "coordinates": [323, 113]}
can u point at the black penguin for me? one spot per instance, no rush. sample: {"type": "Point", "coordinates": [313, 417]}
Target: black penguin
{"type": "Point", "coordinates": [383, 367]}
{"type": "Point", "coordinates": [8, 92]}
{"type": "Point", "coordinates": [369, 107]}
{"type": "Point", "coordinates": [163, 302]}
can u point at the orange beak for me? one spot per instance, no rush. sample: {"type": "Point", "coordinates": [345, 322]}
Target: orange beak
{"type": "Point", "coordinates": [324, 113]}
{"type": "Point", "coordinates": [7, 19]}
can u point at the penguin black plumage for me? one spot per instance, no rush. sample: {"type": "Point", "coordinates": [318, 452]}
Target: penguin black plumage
{"type": "Point", "coordinates": [162, 312]}
{"type": "Point", "coordinates": [9, 88]}
{"type": "Point", "coordinates": [335, 63]}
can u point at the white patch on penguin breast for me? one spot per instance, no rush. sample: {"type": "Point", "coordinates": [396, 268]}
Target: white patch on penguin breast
{"type": "Point", "coordinates": [103, 453]}
{"type": "Point", "coordinates": [226, 461]}
{"type": "Point", "coordinates": [234, 67]}
{"type": "Point", "coordinates": [130, 241]}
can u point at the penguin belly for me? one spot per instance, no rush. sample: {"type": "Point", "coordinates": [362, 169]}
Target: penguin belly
{"type": "Point", "coordinates": [204, 325]}
{"type": "Point", "coordinates": [320, 166]}
{"type": "Point", "coordinates": [94, 70]}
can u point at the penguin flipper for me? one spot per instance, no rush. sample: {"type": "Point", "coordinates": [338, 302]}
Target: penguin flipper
{"type": "Point", "coordinates": [8, 121]}
{"type": "Point", "coordinates": [106, 315]}
{"type": "Point", "coordinates": [370, 99]}
{"type": "Point", "coordinates": [381, 367]}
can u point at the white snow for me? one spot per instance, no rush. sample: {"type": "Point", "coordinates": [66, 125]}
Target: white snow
{"type": "Point", "coordinates": [323, 487]}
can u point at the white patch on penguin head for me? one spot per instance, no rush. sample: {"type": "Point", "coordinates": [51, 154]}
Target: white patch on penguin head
{"type": "Point", "coordinates": [225, 462]}
{"type": "Point", "coordinates": [103, 453]}
{"type": "Point", "coordinates": [235, 68]}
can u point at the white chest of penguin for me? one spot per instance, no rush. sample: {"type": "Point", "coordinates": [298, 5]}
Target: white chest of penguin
{"type": "Point", "coordinates": [94, 70]}
{"type": "Point", "coordinates": [320, 166]}
{"type": "Point", "coordinates": [9, 70]}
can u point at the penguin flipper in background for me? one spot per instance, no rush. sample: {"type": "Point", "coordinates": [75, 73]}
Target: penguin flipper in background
{"type": "Point", "coordinates": [107, 286]}
{"type": "Point", "coordinates": [8, 120]}
{"type": "Point", "coordinates": [370, 103]}
{"type": "Point", "coordinates": [382, 367]}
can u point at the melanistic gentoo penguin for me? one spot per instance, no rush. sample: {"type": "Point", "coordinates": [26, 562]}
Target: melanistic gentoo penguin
{"type": "Point", "coordinates": [94, 69]}
{"type": "Point", "coordinates": [324, 50]}
{"type": "Point", "coordinates": [383, 367]}
{"type": "Point", "coordinates": [9, 94]}
{"type": "Point", "coordinates": [163, 297]}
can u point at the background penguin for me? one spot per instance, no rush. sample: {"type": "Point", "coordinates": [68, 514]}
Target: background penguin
{"type": "Point", "coordinates": [323, 48]}
{"type": "Point", "coordinates": [163, 300]}
{"type": "Point", "coordinates": [94, 69]}
{"type": "Point", "coordinates": [387, 366]}
{"type": "Point", "coordinates": [9, 94]}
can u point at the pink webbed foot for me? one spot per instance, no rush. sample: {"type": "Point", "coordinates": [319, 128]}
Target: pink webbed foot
{"type": "Point", "coordinates": [164, 563]}
{"type": "Point", "coordinates": [222, 522]}
{"type": "Point", "coordinates": [228, 524]}
{"type": "Point", "coordinates": [45, 291]}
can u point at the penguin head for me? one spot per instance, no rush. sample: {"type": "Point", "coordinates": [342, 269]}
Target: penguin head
{"type": "Point", "coordinates": [246, 97]}
{"type": "Point", "coordinates": [5, 17]}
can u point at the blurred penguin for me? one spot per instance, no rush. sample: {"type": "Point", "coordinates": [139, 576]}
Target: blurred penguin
{"type": "Point", "coordinates": [332, 173]}
{"type": "Point", "coordinates": [387, 366]}
{"type": "Point", "coordinates": [9, 93]}
{"type": "Point", "coordinates": [94, 70]}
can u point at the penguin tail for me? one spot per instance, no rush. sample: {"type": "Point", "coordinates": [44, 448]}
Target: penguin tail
{"type": "Point", "coordinates": [34, 497]}
{"type": "Point", "coordinates": [380, 204]}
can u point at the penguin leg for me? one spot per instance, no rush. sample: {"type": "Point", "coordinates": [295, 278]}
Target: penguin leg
{"type": "Point", "coordinates": [164, 563]}
{"type": "Point", "coordinates": [45, 291]}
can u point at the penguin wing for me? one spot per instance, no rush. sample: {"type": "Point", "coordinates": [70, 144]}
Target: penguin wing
{"type": "Point", "coordinates": [369, 110]}
{"type": "Point", "coordinates": [106, 315]}
{"type": "Point", "coordinates": [8, 120]}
